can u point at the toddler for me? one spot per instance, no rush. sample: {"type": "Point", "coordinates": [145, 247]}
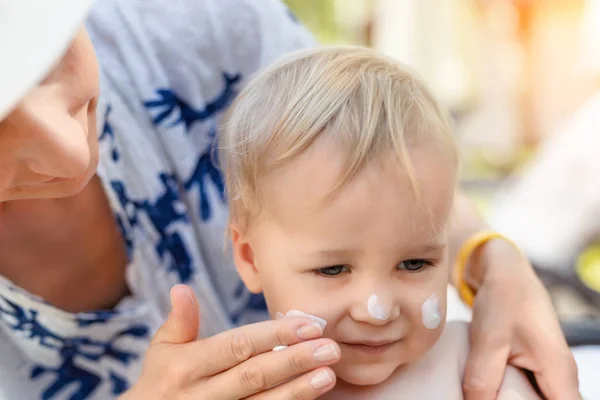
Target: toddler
{"type": "Point", "coordinates": [340, 170]}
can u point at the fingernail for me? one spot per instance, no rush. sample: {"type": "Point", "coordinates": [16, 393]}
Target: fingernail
{"type": "Point", "coordinates": [181, 292]}
{"type": "Point", "coordinates": [321, 380]}
{"type": "Point", "coordinates": [191, 297]}
{"type": "Point", "coordinates": [326, 353]}
{"type": "Point", "coordinates": [312, 330]}
{"type": "Point", "coordinates": [176, 291]}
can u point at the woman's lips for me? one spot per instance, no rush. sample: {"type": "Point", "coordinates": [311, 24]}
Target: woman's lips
{"type": "Point", "coordinates": [42, 182]}
{"type": "Point", "coordinates": [56, 180]}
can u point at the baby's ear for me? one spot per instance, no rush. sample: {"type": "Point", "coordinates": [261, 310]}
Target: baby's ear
{"type": "Point", "coordinates": [243, 256]}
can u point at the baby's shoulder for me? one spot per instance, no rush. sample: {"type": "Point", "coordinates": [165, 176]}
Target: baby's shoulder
{"type": "Point", "coordinates": [438, 374]}
{"type": "Point", "coordinates": [452, 346]}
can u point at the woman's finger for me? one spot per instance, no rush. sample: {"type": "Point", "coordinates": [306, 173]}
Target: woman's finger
{"type": "Point", "coordinates": [487, 359]}
{"type": "Point", "coordinates": [306, 387]}
{"type": "Point", "coordinates": [228, 349]}
{"type": "Point", "coordinates": [547, 355]}
{"type": "Point", "coordinates": [267, 370]}
{"type": "Point", "coordinates": [183, 323]}
{"type": "Point", "coordinates": [555, 370]}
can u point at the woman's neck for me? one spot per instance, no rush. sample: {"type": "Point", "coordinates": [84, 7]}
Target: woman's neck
{"type": "Point", "coordinates": [68, 251]}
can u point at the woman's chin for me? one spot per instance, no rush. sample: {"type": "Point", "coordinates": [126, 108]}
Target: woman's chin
{"type": "Point", "coordinates": [52, 189]}
{"type": "Point", "coordinates": [364, 375]}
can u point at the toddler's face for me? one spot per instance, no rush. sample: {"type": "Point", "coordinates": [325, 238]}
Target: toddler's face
{"type": "Point", "coordinates": [371, 260]}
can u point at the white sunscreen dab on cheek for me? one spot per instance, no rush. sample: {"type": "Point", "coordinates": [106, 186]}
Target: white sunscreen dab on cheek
{"type": "Point", "coordinates": [430, 312]}
{"type": "Point", "coordinates": [376, 308]}
{"type": "Point", "coordinates": [295, 313]}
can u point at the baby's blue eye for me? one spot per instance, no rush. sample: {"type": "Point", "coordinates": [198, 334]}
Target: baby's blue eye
{"type": "Point", "coordinates": [413, 265]}
{"type": "Point", "coordinates": [331, 271]}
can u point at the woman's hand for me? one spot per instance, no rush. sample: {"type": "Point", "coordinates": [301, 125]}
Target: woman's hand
{"type": "Point", "coordinates": [235, 364]}
{"type": "Point", "coordinates": [514, 322]}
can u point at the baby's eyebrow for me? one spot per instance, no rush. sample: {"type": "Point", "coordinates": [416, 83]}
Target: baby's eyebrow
{"type": "Point", "coordinates": [335, 253]}
{"type": "Point", "coordinates": [325, 256]}
{"type": "Point", "coordinates": [433, 247]}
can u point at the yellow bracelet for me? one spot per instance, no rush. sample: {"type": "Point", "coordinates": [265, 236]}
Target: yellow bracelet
{"type": "Point", "coordinates": [478, 239]}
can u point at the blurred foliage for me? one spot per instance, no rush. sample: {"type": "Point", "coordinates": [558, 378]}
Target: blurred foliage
{"type": "Point", "coordinates": [588, 267]}
{"type": "Point", "coordinates": [479, 165]}
{"type": "Point", "coordinates": [319, 17]}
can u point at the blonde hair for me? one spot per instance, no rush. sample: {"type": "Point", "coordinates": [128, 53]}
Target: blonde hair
{"type": "Point", "coordinates": [369, 104]}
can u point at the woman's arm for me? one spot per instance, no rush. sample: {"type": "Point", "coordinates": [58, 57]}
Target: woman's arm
{"type": "Point", "coordinates": [513, 318]}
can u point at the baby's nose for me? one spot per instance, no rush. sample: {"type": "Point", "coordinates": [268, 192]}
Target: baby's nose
{"type": "Point", "coordinates": [378, 309]}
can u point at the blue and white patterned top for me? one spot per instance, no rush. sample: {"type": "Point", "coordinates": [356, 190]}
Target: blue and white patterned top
{"type": "Point", "coordinates": [169, 69]}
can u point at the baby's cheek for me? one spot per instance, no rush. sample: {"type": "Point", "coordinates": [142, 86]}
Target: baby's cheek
{"type": "Point", "coordinates": [433, 311]}
{"type": "Point", "coordinates": [427, 320]}
{"type": "Point", "coordinates": [293, 297]}
{"type": "Point", "coordinates": [425, 309]}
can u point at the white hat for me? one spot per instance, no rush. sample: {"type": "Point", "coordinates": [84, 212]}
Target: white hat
{"type": "Point", "coordinates": [34, 34]}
